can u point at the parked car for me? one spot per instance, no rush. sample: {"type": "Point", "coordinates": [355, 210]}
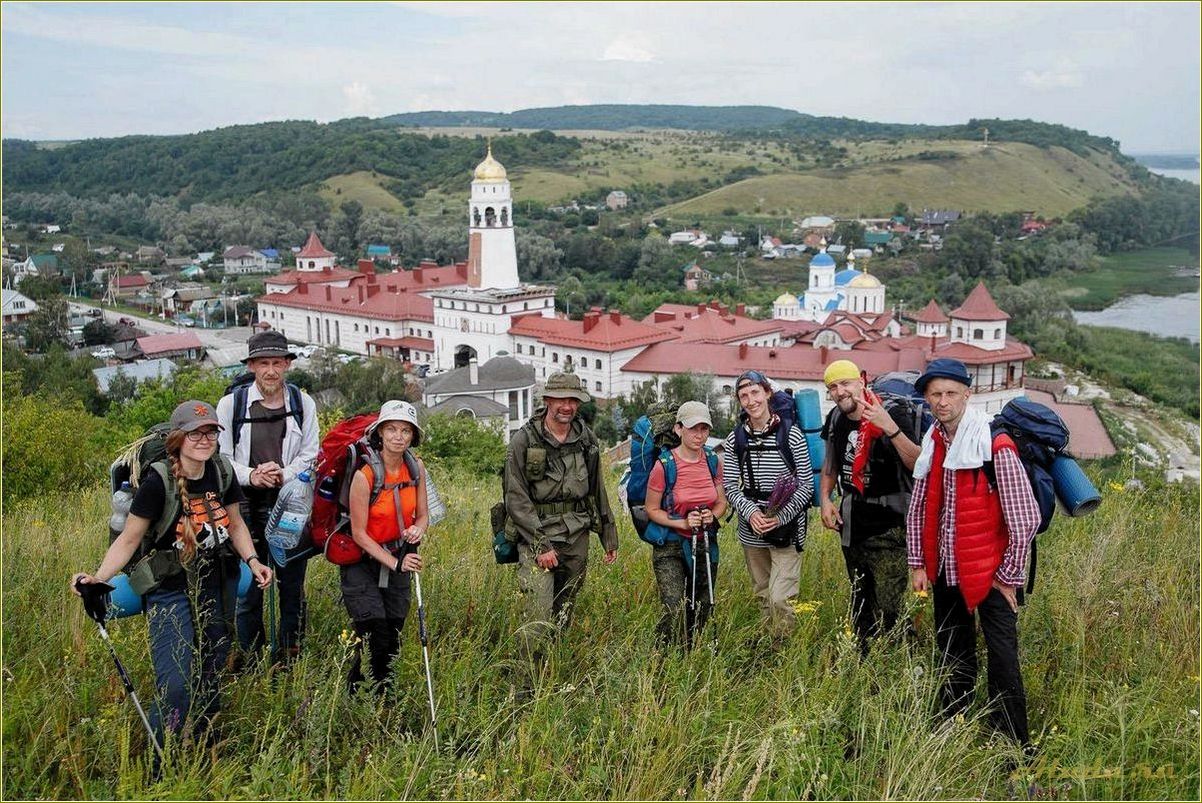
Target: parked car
{"type": "Point", "coordinates": [104, 353]}
{"type": "Point", "coordinates": [307, 351]}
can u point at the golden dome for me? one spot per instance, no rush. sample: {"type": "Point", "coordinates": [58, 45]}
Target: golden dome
{"type": "Point", "coordinates": [490, 169]}
{"type": "Point", "coordinates": [865, 280]}
{"type": "Point", "coordinates": [786, 299]}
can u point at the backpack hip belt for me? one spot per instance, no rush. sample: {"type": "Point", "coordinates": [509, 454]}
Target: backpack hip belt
{"type": "Point", "coordinates": [564, 506]}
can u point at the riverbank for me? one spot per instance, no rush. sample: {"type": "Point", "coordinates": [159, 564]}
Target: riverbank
{"type": "Point", "coordinates": [1152, 271]}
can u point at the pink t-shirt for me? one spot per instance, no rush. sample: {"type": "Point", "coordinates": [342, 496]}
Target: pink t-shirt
{"type": "Point", "coordinates": [695, 486]}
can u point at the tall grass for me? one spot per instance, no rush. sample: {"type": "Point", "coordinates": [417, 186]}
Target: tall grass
{"type": "Point", "coordinates": [1110, 658]}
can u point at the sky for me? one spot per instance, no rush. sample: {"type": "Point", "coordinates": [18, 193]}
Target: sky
{"type": "Point", "coordinates": [1129, 71]}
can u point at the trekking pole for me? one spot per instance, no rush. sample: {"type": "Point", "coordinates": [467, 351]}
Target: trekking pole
{"type": "Point", "coordinates": [425, 640]}
{"type": "Point", "coordinates": [95, 606]}
{"type": "Point", "coordinates": [271, 628]}
{"type": "Point", "coordinates": [709, 574]}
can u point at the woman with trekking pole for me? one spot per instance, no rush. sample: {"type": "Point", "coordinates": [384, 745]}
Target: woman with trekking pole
{"type": "Point", "coordinates": [685, 497]}
{"type": "Point", "coordinates": [186, 530]}
{"type": "Point", "coordinates": [389, 515]}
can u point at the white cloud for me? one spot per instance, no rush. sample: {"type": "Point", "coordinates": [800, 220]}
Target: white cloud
{"type": "Point", "coordinates": [633, 46]}
{"type": "Point", "coordinates": [360, 100]}
{"type": "Point", "coordinates": [1064, 75]}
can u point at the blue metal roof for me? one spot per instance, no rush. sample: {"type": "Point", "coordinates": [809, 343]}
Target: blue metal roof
{"type": "Point", "coordinates": [846, 275]}
{"type": "Point", "coordinates": [379, 251]}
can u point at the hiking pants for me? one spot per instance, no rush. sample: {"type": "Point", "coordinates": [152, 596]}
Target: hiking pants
{"type": "Point", "coordinates": [775, 577]}
{"type": "Point", "coordinates": [188, 654]}
{"type": "Point", "coordinates": [876, 567]}
{"type": "Point", "coordinates": [548, 596]}
{"type": "Point", "coordinates": [956, 634]}
{"type": "Point", "coordinates": [680, 621]}
{"type": "Point", "coordinates": [377, 615]}
{"type": "Point", "coordinates": [289, 588]}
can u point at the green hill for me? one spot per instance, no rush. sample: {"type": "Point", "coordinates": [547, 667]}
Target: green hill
{"type": "Point", "coordinates": [959, 175]}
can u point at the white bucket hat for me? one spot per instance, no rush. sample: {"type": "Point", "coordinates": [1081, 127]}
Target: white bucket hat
{"type": "Point", "coordinates": [396, 410]}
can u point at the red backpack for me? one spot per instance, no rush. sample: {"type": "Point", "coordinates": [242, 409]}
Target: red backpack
{"type": "Point", "coordinates": [344, 450]}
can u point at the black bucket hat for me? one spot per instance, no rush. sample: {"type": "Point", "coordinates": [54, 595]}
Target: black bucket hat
{"type": "Point", "coordinates": [267, 344]}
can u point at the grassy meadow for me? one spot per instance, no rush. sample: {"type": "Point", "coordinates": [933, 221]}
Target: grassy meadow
{"type": "Point", "coordinates": [1110, 647]}
{"type": "Point", "coordinates": [1155, 271]}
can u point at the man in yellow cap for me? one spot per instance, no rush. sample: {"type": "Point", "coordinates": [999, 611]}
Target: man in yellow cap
{"type": "Point", "coordinates": [870, 451]}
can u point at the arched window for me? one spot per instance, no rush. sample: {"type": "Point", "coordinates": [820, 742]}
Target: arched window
{"type": "Point", "coordinates": [978, 334]}
{"type": "Point", "coordinates": [960, 331]}
{"type": "Point", "coordinates": [490, 216]}
{"type": "Point", "coordinates": [504, 216]}
{"type": "Point", "coordinates": [476, 216]}
{"type": "Point", "coordinates": [555, 356]}
{"type": "Point", "coordinates": [997, 334]}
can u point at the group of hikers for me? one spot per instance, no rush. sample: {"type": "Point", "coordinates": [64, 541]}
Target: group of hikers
{"type": "Point", "coordinates": [945, 508]}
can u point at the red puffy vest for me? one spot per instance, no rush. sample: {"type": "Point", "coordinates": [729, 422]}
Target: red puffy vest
{"type": "Point", "coordinates": [981, 536]}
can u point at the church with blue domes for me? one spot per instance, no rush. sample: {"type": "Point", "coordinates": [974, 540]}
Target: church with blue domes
{"type": "Point", "coordinates": [831, 290]}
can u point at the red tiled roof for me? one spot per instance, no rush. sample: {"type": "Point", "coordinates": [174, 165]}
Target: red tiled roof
{"type": "Point", "coordinates": [385, 302]}
{"type": "Point", "coordinates": [419, 343]}
{"type": "Point", "coordinates": [972, 355]}
{"type": "Point", "coordinates": [313, 276]}
{"type": "Point", "coordinates": [424, 277]}
{"type": "Point", "coordinates": [313, 248]}
{"type": "Point", "coordinates": [134, 280]}
{"type": "Point", "coordinates": [607, 332]}
{"type": "Point", "coordinates": [709, 324]}
{"type": "Point", "coordinates": [797, 329]}
{"type": "Point", "coordinates": [798, 363]}
{"type": "Point", "coordinates": [979, 306]}
{"type": "Point", "coordinates": [161, 344]}
{"type": "Point", "coordinates": [931, 313]}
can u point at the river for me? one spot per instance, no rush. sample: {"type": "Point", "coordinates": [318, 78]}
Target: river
{"type": "Point", "coordinates": [1170, 316]}
{"type": "Point", "coordinates": [1184, 175]}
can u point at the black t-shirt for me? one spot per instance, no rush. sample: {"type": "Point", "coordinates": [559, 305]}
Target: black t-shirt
{"type": "Point", "coordinates": [843, 438]}
{"type": "Point", "coordinates": [210, 520]}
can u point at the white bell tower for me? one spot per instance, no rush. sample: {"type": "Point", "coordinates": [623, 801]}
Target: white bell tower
{"type": "Point", "coordinates": [492, 261]}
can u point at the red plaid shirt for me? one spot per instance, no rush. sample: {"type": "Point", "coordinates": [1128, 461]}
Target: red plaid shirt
{"type": "Point", "coordinates": [1019, 510]}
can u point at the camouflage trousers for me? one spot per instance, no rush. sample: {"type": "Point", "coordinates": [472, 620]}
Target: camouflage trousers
{"type": "Point", "coordinates": [683, 595]}
{"type": "Point", "coordinates": [548, 595]}
{"type": "Point", "coordinates": [876, 567]}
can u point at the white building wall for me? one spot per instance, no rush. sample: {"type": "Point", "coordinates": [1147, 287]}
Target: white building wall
{"type": "Point", "coordinates": [988, 335]}
{"type": "Point", "coordinates": [336, 330]}
{"type": "Point", "coordinates": [482, 325]}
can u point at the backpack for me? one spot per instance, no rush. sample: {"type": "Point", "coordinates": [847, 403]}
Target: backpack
{"type": "Point", "coordinates": [132, 465]}
{"type": "Point", "coordinates": [652, 435]}
{"type": "Point", "coordinates": [343, 451]}
{"type": "Point", "coordinates": [1040, 436]}
{"type": "Point", "coordinates": [240, 388]}
{"type": "Point", "coordinates": [656, 534]}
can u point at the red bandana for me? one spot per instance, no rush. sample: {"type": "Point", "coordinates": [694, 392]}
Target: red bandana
{"type": "Point", "coordinates": [869, 432]}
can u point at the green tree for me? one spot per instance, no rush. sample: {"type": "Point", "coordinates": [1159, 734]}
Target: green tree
{"type": "Point", "coordinates": [968, 249]}
{"type": "Point", "coordinates": [47, 325]}
{"type": "Point", "coordinates": [99, 331]}
{"type": "Point", "coordinates": [850, 233]}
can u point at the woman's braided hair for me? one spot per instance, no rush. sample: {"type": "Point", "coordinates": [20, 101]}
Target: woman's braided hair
{"type": "Point", "coordinates": [175, 441]}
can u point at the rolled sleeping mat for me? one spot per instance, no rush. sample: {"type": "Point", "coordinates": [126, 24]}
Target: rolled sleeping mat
{"type": "Point", "coordinates": [124, 602]}
{"type": "Point", "coordinates": [1074, 490]}
{"type": "Point", "coordinates": [809, 418]}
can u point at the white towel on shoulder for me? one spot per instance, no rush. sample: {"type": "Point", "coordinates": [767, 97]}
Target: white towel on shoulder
{"type": "Point", "coordinates": [971, 447]}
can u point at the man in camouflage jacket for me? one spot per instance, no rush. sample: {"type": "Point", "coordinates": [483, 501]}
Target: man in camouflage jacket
{"type": "Point", "coordinates": [554, 495]}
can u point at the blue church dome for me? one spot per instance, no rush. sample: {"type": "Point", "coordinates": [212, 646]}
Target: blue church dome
{"type": "Point", "coordinates": [822, 260]}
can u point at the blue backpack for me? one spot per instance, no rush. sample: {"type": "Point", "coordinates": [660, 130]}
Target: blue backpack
{"type": "Point", "coordinates": [652, 435]}
{"type": "Point", "coordinates": [1041, 436]}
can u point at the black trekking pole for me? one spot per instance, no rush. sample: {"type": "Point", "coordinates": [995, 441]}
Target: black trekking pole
{"type": "Point", "coordinates": [425, 640]}
{"type": "Point", "coordinates": [95, 605]}
{"type": "Point", "coordinates": [709, 573]}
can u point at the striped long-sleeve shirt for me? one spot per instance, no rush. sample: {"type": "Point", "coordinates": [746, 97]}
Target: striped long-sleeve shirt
{"type": "Point", "coordinates": [766, 463]}
{"type": "Point", "coordinates": [1019, 510]}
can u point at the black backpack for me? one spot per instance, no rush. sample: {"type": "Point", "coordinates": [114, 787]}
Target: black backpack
{"type": "Point", "coordinates": [782, 404]}
{"type": "Point", "coordinates": [240, 388]}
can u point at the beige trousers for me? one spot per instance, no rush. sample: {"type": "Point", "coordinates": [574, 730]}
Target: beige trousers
{"type": "Point", "coordinates": [775, 576]}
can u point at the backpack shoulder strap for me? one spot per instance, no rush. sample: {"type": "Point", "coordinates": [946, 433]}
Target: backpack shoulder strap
{"type": "Point", "coordinates": [297, 403]}
{"type": "Point", "coordinates": [240, 413]}
{"type": "Point", "coordinates": [171, 504]}
{"type": "Point", "coordinates": [372, 459]}
{"type": "Point", "coordinates": [782, 443]}
{"type": "Point", "coordinates": [414, 468]}
{"type": "Point", "coordinates": [225, 473]}
{"type": "Point", "coordinates": [711, 460]}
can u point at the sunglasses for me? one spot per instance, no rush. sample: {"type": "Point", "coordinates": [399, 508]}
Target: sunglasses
{"type": "Point", "coordinates": [198, 435]}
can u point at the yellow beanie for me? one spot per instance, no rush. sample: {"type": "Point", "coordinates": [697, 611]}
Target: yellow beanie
{"type": "Point", "coordinates": [840, 370]}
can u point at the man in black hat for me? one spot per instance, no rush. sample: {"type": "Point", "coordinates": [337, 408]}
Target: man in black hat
{"type": "Point", "coordinates": [270, 435]}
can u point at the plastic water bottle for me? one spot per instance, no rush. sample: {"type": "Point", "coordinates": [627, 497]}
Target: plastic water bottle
{"type": "Point", "coordinates": [123, 497]}
{"type": "Point", "coordinates": [290, 516]}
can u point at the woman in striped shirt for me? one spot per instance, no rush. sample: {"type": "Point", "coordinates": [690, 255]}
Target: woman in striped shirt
{"type": "Point", "coordinates": [771, 545]}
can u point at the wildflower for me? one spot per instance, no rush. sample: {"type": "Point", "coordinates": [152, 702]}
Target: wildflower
{"type": "Point", "coordinates": [922, 594]}
{"type": "Point", "coordinates": [1116, 487]}
{"type": "Point", "coordinates": [810, 607]}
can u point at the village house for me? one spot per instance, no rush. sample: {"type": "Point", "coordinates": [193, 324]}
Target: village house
{"type": "Point", "coordinates": [241, 260]}
{"type": "Point", "coordinates": [501, 391]}
{"type": "Point", "coordinates": [181, 346]}
{"type": "Point", "coordinates": [17, 307]}
{"type": "Point", "coordinates": [616, 200]}
{"type": "Point", "coordinates": [39, 265]}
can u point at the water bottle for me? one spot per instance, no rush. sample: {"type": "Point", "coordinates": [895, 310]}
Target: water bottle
{"type": "Point", "coordinates": [123, 497]}
{"type": "Point", "coordinates": [290, 516]}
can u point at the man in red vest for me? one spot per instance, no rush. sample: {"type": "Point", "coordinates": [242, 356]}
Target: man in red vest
{"type": "Point", "coordinates": [971, 519]}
